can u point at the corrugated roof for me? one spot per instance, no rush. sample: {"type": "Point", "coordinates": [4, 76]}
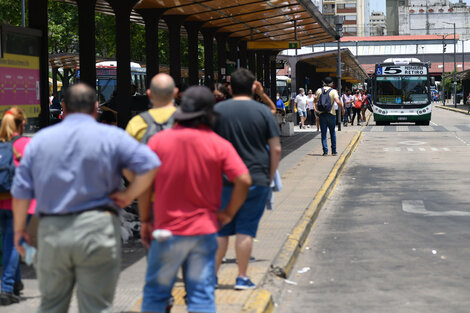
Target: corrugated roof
{"type": "Point", "coordinates": [266, 20]}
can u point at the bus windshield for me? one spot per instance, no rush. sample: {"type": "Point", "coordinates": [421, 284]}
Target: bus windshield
{"type": "Point", "coordinates": [402, 90]}
{"type": "Point", "coordinates": [281, 88]}
{"type": "Point", "coordinates": [106, 87]}
{"type": "Point", "coordinates": [389, 90]}
{"type": "Point", "coordinates": [415, 90]}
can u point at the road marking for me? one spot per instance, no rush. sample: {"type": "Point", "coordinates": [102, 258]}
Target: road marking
{"type": "Point", "coordinates": [417, 207]}
{"type": "Point", "coordinates": [412, 143]}
{"type": "Point", "coordinates": [434, 124]}
{"type": "Point", "coordinates": [461, 140]}
{"type": "Point", "coordinates": [409, 149]}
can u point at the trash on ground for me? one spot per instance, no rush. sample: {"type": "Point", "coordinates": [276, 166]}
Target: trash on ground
{"type": "Point", "coordinates": [290, 282]}
{"type": "Point", "coordinates": [434, 251]}
{"type": "Point", "coordinates": [304, 270]}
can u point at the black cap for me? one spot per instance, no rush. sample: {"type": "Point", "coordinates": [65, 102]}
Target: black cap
{"type": "Point", "coordinates": [196, 101]}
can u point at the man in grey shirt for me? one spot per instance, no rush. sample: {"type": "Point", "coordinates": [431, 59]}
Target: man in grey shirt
{"type": "Point", "coordinates": [73, 169]}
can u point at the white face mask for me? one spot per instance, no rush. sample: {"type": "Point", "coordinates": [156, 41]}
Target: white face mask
{"type": "Point", "coordinates": [277, 97]}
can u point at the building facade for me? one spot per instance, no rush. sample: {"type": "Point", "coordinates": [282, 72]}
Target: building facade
{"type": "Point", "coordinates": [434, 17]}
{"type": "Point", "coordinates": [392, 15]}
{"type": "Point", "coordinates": [377, 24]}
{"type": "Point", "coordinates": [356, 15]}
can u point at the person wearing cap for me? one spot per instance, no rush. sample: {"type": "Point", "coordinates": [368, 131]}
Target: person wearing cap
{"type": "Point", "coordinates": [301, 105]}
{"type": "Point", "coordinates": [251, 128]}
{"type": "Point", "coordinates": [328, 119]}
{"type": "Point", "coordinates": [188, 188]}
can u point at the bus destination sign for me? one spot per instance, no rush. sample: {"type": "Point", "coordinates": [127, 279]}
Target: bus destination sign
{"type": "Point", "coordinates": [402, 70]}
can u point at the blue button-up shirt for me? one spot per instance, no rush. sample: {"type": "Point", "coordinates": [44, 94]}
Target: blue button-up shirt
{"type": "Point", "coordinates": [76, 164]}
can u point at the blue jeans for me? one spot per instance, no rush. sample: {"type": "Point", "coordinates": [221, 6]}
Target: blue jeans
{"type": "Point", "coordinates": [196, 255]}
{"type": "Point", "coordinates": [11, 258]}
{"type": "Point", "coordinates": [347, 115]}
{"type": "Point", "coordinates": [328, 121]}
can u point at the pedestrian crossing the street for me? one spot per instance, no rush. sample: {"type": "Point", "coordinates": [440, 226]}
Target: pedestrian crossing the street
{"type": "Point", "coordinates": [415, 128]}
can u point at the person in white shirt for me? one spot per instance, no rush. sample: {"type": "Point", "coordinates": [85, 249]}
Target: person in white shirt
{"type": "Point", "coordinates": [301, 105]}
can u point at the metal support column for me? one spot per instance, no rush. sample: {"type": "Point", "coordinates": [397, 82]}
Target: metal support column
{"type": "Point", "coordinates": [273, 75]}
{"type": "Point", "coordinates": [259, 66]}
{"type": "Point", "coordinates": [267, 72]}
{"type": "Point", "coordinates": [37, 17]}
{"type": "Point", "coordinates": [86, 30]}
{"type": "Point", "coordinates": [122, 11]}
{"type": "Point", "coordinates": [151, 18]}
{"type": "Point", "coordinates": [174, 23]}
{"type": "Point", "coordinates": [251, 61]}
{"type": "Point", "coordinates": [221, 55]}
{"type": "Point", "coordinates": [208, 34]}
{"type": "Point", "coordinates": [455, 70]}
{"type": "Point", "coordinates": [443, 90]}
{"type": "Point", "coordinates": [242, 55]}
{"type": "Point", "coordinates": [192, 28]}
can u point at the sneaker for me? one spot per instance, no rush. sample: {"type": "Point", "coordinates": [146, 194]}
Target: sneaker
{"type": "Point", "coordinates": [18, 287]}
{"type": "Point", "coordinates": [325, 154]}
{"type": "Point", "coordinates": [334, 153]}
{"type": "Point", "coordinates": [243, 283]}
{"type": "Point", "coordinates": [7, 298]}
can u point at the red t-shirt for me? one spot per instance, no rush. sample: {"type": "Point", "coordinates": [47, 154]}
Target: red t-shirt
{"type": "Point", "coordinates": [188, 185]}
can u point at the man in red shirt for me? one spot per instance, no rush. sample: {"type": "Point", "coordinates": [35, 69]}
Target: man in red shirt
{"type": "Point", "coordinates": [188, 188]}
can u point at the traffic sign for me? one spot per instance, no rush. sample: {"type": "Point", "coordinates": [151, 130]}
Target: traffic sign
{"type": "Point", "coordinates": [273, 44]}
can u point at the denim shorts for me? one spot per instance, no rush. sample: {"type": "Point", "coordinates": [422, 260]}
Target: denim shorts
{"type": "Point", "coordinates": [196, 256]}
{"type": "Point", "coordinates": [302, 113]}
{"type": "Point", "coordinates": [247, 219]}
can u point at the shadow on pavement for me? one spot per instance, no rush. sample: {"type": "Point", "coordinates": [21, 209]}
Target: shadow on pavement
{"type": "Point", "coordinates": [290, 144]}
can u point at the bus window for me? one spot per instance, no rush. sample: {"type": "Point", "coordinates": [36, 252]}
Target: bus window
{"type": "Point", "coordinates": [415, 89]}
{"type": "Point", "coordinates": [106, 87]}
{"type": "Point", "coordinates": [388, 89]}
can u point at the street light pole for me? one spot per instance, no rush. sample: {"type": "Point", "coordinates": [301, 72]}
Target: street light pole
{"type": "Point", "coordinates": [455, 71]}
{"type": "Point", "coordinates": [443, 91]}
{"type": "Point", "coordinates": [339, 21]}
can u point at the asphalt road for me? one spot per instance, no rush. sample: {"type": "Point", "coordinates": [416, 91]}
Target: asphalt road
{"type": "Point", "coordinates": [395, 234]}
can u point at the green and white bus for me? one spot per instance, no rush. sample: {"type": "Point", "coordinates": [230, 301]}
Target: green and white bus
{"type": "Point", "coordinates": [401, 92]}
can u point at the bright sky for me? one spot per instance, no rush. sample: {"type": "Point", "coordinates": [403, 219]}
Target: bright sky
{"type": "Point", "coordinates": [377, 5]}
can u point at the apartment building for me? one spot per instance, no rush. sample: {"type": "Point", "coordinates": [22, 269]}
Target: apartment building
{"type": "Point", "coordinates": [356, 15]}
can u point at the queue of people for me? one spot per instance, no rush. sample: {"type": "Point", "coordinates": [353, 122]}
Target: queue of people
{"type": "Point", "coordinates": [201, 173]}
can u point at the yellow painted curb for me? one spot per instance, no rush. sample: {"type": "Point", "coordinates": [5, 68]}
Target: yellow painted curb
{"type": "Point", "coordinates": [260, 301]}
{"type": "Point", "coordinates": [452, 109]}
{"type": "Point", "coordinates": [285, 259]}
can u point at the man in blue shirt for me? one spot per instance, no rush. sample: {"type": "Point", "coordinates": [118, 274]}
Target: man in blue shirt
{"type": "Point", "coordinates": [279, 103]}
{"type": "Point", "coordinates": [73, 169]}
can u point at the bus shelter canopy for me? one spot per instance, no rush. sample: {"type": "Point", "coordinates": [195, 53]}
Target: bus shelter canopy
{"type": "Point", "coordinates": [244, 19]}
{"type": "Point", "coordinates": [325, 62]}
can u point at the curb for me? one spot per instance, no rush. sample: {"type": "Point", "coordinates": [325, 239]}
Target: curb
{"type": "Point", "coordinates": [285, 259]}
{"type": "Point", "coordinates": [466, 112]}
{"type": "Point", "coordinates": [260, 301]}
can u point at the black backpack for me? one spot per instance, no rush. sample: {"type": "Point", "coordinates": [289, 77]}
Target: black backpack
{"type": "Point", "coordinates": [324, 103]}
{"type": "Point", "coordinates": [153, 127]}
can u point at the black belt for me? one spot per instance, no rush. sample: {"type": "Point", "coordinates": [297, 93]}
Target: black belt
{"type": "Point", "coordinates": [99, 209]}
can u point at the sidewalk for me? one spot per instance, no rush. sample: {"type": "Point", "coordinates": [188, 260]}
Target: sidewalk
{"type": "Point", "coordinates": [303, 170]}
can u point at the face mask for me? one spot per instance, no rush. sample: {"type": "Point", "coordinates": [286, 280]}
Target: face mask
{"type": "Point", "coordinates": [277, 97]}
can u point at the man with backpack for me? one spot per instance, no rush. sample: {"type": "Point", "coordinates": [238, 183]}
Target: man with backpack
{"type": "Point", "coordinates": [324, 99]}
{"type": "Point", "coordinates": [161, 93]}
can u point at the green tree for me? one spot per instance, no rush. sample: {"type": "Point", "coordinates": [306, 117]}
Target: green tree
{"type": "Point", "coordinates": [10, 12]}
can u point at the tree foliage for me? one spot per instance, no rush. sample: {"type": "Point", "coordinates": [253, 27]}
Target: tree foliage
{"type": "Point", "coordinates": [63, 33]}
